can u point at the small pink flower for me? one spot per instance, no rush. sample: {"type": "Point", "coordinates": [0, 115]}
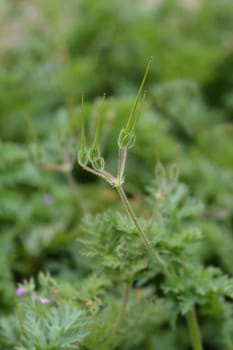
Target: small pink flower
{"type": "Point", "coordinates": [37, 297]}
{"type": "Point", "coordinates": [44, 300]}
{"type": "Point", "coordinates": [20, 291]}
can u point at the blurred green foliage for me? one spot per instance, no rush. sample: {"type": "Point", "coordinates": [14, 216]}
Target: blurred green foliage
{"type": "Point", "coordinates": [51, 53]}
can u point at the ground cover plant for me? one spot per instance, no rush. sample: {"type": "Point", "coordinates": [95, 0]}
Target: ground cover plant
{"type": "Point", "coordinates": [142, 260]}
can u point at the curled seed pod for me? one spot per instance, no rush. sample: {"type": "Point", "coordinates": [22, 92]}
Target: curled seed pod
{"type": "Point", "coordinates": [126, 140]}
{"type": "Point", "coordinates": [174, 172]}
{"type": "Point", "coordinates": [94, 153]}
{"type": "Point", "coordinates": [98, 163]}
{"type": "Point", "coordinates": [83, 157]}
{"type": "Point", "coordinates": [160, 172]}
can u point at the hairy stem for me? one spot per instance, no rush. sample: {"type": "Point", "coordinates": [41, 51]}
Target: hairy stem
{"type": "Point", "coordinates": [141, 233]}
{"type": "Point", "coordinates": [122, 309]}
{"type": "Point", "coordinates": [194, 330]}
{"type": "Point", "coordinates": [121, 163]}
{"type": "Point", "coordinates": [104, 174]}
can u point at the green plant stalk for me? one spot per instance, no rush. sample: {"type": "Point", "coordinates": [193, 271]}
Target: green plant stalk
{"type": "Point", "coordinates": [122, 309]}
{"type": "Point", "coordinates": [194, 330]}
{"type": "Point", "coordinates": [142, 234]}
{"type": "Point", "coordinates": [121, 163]}
{"type": "Point", "coordinates": [104, 174]}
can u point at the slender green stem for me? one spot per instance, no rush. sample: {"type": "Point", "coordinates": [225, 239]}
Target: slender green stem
{"type": "Point", "coordinates": [142, 234]}
{"type": "Point", "coordinates": [121, 163]}
{"type": "Point", "coordinates": [104, 174]}
{"type": "Point", "coordinates": [122, 309]}
{"type": "Point", "coordinates": [194, 330]}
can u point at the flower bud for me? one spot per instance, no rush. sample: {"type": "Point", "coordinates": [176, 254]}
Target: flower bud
{"type": "Point", "coordinates": [126, 140]}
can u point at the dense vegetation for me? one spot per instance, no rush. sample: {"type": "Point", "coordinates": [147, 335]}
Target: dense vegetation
{"type": "Point", "coordinates": [75, 273]}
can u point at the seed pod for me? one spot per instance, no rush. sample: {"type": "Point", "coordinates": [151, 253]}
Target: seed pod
{"type": "Point", "coordinates": [98, 163]}
{"type": "Point", "coordinates": [126, 140]}
{"type": "Point", "coordinates": [94, 153]}
{"type": "Point", "coordinates": [132, 119]}
{"type": "Point", "coordinates": [83, 157]}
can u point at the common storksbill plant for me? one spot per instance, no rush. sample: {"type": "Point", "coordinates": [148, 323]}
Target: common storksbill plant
{"type": "Point", "coordinates": [178, 284]}
{"type": "Point", "coordinates": [92, 161]}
